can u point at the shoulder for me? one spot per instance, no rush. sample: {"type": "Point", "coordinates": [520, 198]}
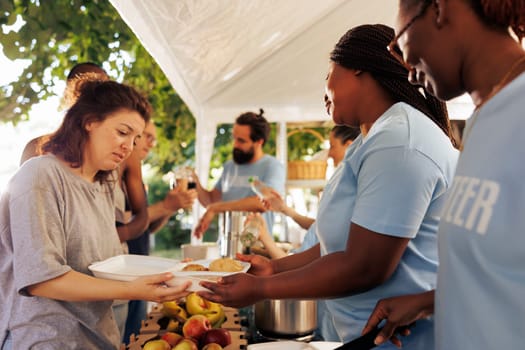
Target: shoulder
{"type": "Point", "coordinates": [33, 148]}
{"type": "Point", "coordinates": [270, 160]}
{"type": "Point", "coordinates": [36, 172]}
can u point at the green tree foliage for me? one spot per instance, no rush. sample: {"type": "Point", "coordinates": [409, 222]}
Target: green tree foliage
{"type": "Point", "coordinates": [302, 145]}
{"type": "Point", "coordinates": [55, 35]}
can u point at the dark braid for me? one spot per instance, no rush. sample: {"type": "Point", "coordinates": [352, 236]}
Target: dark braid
{"type": "Point", "coordinates": [364, 48]}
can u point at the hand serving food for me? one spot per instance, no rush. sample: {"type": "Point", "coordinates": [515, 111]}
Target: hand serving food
{"type": "Point", "coordinates": [236, 290]}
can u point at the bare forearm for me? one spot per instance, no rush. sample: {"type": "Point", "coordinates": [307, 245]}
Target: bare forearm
{"type": "Point", "coordinates": [332, 275]}
{"type": "Point", "coordinates": [246, 204]}
{"type": "Point", "coordinates": [295, 261]}
{"type": "Point", "coordinates": [156, 225]}
{"type": "Point", "coordinates": [301, 220]}
{"type": "Point", "coordinates": [427, 300]}
{"type": "Point", "coordinates": [273, 250]}
{"type": "Point", "coordinates": [157, 211]}
{"type": "Point", "coordinates": [206, 197]}
{"type": "Point", "coordinates": [76, 286]}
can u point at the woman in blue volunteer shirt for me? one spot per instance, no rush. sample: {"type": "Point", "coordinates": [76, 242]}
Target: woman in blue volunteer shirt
{"type": "Point", "coordinates": [465, 46]}
{"type": "Point", "coordinates": [378, 217]}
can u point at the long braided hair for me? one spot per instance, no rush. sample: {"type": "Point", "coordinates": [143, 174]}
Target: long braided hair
{"type": "Point", "coordinates": [364, 48]}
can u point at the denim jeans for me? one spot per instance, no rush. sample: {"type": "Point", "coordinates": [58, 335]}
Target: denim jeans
{"type": "Point", "coordinates": [7, 344]}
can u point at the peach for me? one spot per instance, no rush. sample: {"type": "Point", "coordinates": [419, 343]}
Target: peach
{"type": "Point", "coordinates": [172, 338]}
{"type": "Point", "coordinates": [196, 326]}
{"type": "Point", "coordinates": [186, 344]}
{"type": "Point", "coordinates": [158, 344]}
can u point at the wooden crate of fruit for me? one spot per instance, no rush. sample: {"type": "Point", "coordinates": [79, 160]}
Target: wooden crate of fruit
{"type": "Point", "coordinates": [192, 324]}
{"type": "Point", "coordinates": [238, 341]}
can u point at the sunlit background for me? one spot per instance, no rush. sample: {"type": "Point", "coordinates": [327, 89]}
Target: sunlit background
{"type": "Point", "coordinates": [45, 118]}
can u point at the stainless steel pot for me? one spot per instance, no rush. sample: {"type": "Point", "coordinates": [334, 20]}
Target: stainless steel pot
{"type": "Point", "coordinates": [287, 317]}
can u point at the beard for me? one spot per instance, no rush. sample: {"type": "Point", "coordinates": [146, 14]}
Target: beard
{"type": "Point", "coordinates": [242, 157]}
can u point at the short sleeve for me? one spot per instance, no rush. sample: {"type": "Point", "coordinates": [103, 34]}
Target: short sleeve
{"type": "Point", "coordinates": [274, 176]}
{"type": "Point", "coordinates": [395, 188]}
{"type": "Point", "coordinates": [39, 240]}
{"type": "Point", "coordinates": [218, 184]}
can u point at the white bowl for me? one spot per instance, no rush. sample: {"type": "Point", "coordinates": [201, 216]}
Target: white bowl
{"type": "Point", "coordinates": [206, 250]}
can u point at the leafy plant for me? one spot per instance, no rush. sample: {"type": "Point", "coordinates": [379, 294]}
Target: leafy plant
{"type": "Point", "coordinates": [302, 145]}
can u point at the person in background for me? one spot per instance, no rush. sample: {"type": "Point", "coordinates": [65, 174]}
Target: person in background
{"type": "Point", "coordinates": [159, 214]}
{"type": "Point", "coordinates": [58, 217]}
{"type": "Point", "coordinates": [378, 216]}
{"type": "Point", "coordinates": [453, 47]}
{"type": "Point", "coordinates": [341, 136]}
{"type": "Point", "coordinates": [232, 191]}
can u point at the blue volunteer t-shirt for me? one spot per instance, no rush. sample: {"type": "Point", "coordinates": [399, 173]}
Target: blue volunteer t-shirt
{"type": "Point", "coordinates": [393, 182]}
{"type": "Point", "coordinates": [325, 322]}
{"type": "Point", "coordinates": [481, 281]}
{"type": "Point", "coordinates": [233, 183]}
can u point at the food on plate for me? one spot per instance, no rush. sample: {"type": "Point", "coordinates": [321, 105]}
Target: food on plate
{"type": "Point", "coordinates": [212, 346]}
{"type": "Point", "coordinates": [194, 267]}
{"type": "Point", "coordinates": [225, 265]}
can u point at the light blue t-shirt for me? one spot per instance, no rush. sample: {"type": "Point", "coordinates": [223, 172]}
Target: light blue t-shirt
{"type": "Point", "coordinates": [393, 182]}
{"type": "Point", "coordinates": [233, 183]}
{"type": "Point", "coordinates": [325, 322]}
{"type": "Point", "coordinates": [481, 282]}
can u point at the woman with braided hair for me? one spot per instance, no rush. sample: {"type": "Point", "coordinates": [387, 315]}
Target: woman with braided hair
{"type": "Point", "coordinates": [452, 47]}
{"type": "Point", "coordinates": [378, 217]}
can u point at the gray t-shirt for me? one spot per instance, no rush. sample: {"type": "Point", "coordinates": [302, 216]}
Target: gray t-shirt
{"type": "Point", "coordinates": [51, 222]}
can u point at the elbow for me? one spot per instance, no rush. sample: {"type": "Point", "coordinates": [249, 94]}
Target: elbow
{"type": "Point", "coordinates": [370, 279]}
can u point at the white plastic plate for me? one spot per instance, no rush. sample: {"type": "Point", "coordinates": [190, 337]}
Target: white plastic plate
{"type": "Point", "coordinates": [197, 276]}
{"type": "Point", "coordinates": [295, 345]}
{"type": "Point", "coordinates": [127, 267]}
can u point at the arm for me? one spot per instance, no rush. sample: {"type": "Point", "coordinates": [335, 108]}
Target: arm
{"type": "Point", "coordinates": [275, 202]}
{"type": "Point", "coordinates": [301, 220]}
{"type": "Point", "coordinates": [264, 236]}
{"type": "Point", "coordinates": [206, 197]}
{"type": "Point", "coordinates": [160, 212]}
{"type": "Point", "coordinates": [245, 204]}
{"type": "Point", "coordinates": [137, 199]}
{"type": "Point", "coordinates": [76, 286]}
{"type": "Point", "coordinates": [369, 260]}
{"type": "Point", "coordinates": [156, 225]}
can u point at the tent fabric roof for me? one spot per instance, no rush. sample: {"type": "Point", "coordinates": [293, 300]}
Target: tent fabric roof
{"type": "Point", "coordinates": [228, 56]}
{"type": "Point", "coordinates": [224, 57]}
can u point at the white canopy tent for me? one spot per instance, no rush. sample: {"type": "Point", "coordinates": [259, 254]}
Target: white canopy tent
{"type": "Point", "coordinates": [225, 57]}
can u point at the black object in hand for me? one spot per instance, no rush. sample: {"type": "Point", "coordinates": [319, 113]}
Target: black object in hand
{"type": "Point", "coordinates": [366, 341]}
{"type": "Point", "coordinates": [192, 185]}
